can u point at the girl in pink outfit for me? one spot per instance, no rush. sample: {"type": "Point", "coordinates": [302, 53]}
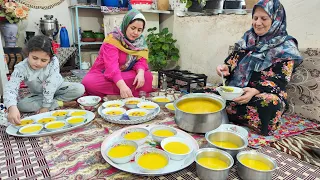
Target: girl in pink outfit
{"type": "Point", "coordinates": [121, 67]}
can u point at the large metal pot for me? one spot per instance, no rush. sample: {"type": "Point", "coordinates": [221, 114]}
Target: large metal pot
{"type": "Point", "coordinates": [200, 123]}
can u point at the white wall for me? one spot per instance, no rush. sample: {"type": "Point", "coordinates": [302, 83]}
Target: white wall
{"type": "Point", "coordinates": [204, 40]}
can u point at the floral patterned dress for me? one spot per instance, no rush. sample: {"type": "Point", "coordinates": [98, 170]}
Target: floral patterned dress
{"type": "Point", "coordinates": [262, 113]}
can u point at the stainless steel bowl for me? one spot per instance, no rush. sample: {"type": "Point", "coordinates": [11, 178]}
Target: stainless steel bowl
{"type": "Point", "coordinates": [206, 173]}
{"type": "Point", "coordinates": [237, 139]}
{"type": "Point", "coordinates": [248, 173]}
{"type": "Point", "coordinates": [200, 123]}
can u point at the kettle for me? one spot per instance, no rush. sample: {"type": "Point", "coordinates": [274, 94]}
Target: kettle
{"type": "Point", "coordinates": [85, 65]}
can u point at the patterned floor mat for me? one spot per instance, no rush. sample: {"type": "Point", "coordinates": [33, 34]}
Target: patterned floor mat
{"type": "Point", "coordinates": [298, 146]}
{"type": "Point", "coordinates": [21, 158]}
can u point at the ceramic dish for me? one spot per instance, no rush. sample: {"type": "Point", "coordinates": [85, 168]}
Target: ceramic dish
{"type": "Point", "coordinates": [178, 148]}
{"type": "Point", "coordinates": [160, 160]}
{"type": "Point", "coordinates": [150, 106]}
{"type": "Point", "coordinates": [89, 100]}
{"type": "Point", "coordinates": [77, 113]}
{"type": "Point", "coordinates": [161, 132]}
{"type": "Point", "coordinates": [138, 135]}
{"type": "Point", "coordinates": [55, 125]}
{"type": "Point", "coordinates": [114, 112]}
{"type": "Point", "coordinates": [124, 151]}
{"type": "Point", "coordinates": [45, 120]}
{"type": "Point", "coordinates": [162, 100]}
{"type": "Point", "coordinates": [135, 114]}
{"type": "Point", "coordinates": [31, 129]}
{"type": "Point", "coordinates": [116, 103]}
{"type": "Point", "coordinates": [237, 92]}
{"type": "Point", "coordinates": [24, 122]}
{"type": "Point", "coordinates": [75, 120]}
{"type": "Point", "coordinates": [131, 103]}
{"type": "Point", "coordinates": [59, 114]}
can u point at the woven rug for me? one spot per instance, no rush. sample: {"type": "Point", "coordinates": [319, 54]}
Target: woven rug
{"type": "Point", "coordinates": [21, 158]}
{"type": "Point", "coordinates": [298, 146]}
{"type": "Point", "coordinates": [40, 4]}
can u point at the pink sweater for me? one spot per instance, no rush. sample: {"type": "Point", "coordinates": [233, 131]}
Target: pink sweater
{"type": "Point", "coordinates": [110, 60]}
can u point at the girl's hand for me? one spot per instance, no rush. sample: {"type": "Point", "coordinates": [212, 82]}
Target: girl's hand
{"type": "Point", "coordinates": [14, 115]}
{"type": "Point", "coordinates": [125, 92]}
{"type": "Point", "coordinates": [247, 96]}
{"type": "Point", "coordinates": [139, 79]}
{"type": "Point", "coordinates": [43, 110]}
{"type": "Point", "coordinates": [223, 69]}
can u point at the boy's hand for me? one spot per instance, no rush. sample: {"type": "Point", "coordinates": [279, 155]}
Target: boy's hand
{"type": "Point", "coordinates": [14, 115]}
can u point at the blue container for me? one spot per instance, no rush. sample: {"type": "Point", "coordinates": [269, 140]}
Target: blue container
{"type": "Point", "coordinates": [64, 37]}
{"type": "Point", "coordinates": [111, 3]}
{"type": "Point", "coordinates": [123, 3]}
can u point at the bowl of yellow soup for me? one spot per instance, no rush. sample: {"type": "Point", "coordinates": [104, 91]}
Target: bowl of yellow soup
{"type": "Point", "coordinates": [252, 164]}
{"type": "Point", "coordinates": [230, 92]}
{"type": "Point", "coordinates": [114, 113]}
{"type": "Point", "coordinates": [177, 148]}
{"type": "Point", "coordinates": [162, 100]}
{"type": "Point", "coordinates": [213, 163]}
{"type": "Point", "coordinates": [151, 160]}
{"type": "Point", "coordinates": [31, 129]}
{"type": "Point", "coordinates": [116, 103]}
{"type": "Point", "coordinates": [122, 151]}
{"type": "Point", "coordinates": [228, 141]}
{"type": "Point", "coordinates": [161, 132]}
{"type": "Point", "coordinates": [45, 120]}
{"type": "Point", "coordinates": [200, 112]}
{"type": "Point", "coordinates": [132, 103]}
{"type": "Point", "coordinates": [60, 114]}
{"type": "Point", "coordinates": [55, 125]}
{"type": "Point", "coordinates": [138, 135]}
{"type": "Point", "coordinates": [76, 120]}
{"type": "Point", "coordinates": [151, 106]}
{"type": "Point", "coordinates": [77, 113]}
{"type": "Point", "coordinates": [139, 113]}
{"type": "Point", "coordinates": [170, 107]}
{"type": "Point", "coordinates": [24, 122]}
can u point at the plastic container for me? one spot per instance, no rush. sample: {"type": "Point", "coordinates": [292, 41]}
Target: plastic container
{"type": "Point", "coordinates": [111, 3]}
{"type": "Point", "coordinates": [124, 3]}
{"type": "Point", "coordinates": [64, 37]}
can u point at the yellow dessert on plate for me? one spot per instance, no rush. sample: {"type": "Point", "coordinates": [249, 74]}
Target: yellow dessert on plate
{"type": "Point", "coordinates": [177, 148]}
{"type": "Point", "coordinates": [136, 135]}
{"type": "Point", "coordinates": [114, 113]}
{"type": "Point", "coordinates": [137, 113]}
{"type": "Point", "coordinates": [163, 133]}
{"type": "Point", "coordinates": [120, 151]}
{"type": "Point", "coordinates": [78, 113]}
{"type": "Point", "coordinates": [76, 120]}
{"type": "Point", "coordinates": [55, 125]}
{"type": "Point", "coordinates": [132, 102]}
{"type": "Point", "coordinates": [59, 113]}
{"type": "Point", "coordinates": [31, 129]}
{"type": "Point", "coordinates": [161, 100]}
{"type": "Point", "coordinates": [46, 120]}
{"type": "Point", "coordinates": [152, 161]}
{"type": "Point", "coordinates": [25, 122]}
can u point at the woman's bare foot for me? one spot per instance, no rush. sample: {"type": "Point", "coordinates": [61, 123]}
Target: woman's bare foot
{"type": "Point", "coordinates": [72, 104]}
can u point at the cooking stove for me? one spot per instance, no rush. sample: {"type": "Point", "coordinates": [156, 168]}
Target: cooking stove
{"type": "Point", "coordinates": [181, 79]}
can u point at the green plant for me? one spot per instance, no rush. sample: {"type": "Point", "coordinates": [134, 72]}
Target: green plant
{"type": "Point", "coordinates": [189, 2]}
{"type": "Point", "coordinates": [161, 48]}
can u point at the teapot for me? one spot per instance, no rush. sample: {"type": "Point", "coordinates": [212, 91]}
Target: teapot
{"type": "Point", "coordinates": [85, 65]}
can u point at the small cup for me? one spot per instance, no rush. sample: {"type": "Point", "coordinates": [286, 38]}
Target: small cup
{"type": "Point", "coordinates": [77, 113]}
{"type": "Point", "coordinates": [108, 112]}
{"type": "Point", "coordinates": [157, 138]}
{"type": "Point", "coordinates": [139, 141]}
{"type": "Point", "coordinates": [75, 120]}
{"type": "Point", "coordinates": [147, 151]}
{"type": "Point", "coordinates": [175, 156]}
{"type": "Point", "coordinates": [131, 103]}
{"type": "Point", "coordinates": [150, 106]}
{"type": "Point", "coordinates": [110, 104]}
{"type": "Point", "coordinates": [158, 100]}
{"type": "Point", "coordinates": [170, 108]}
{"type": "Point", "coordinates": [60, 114]}
{"type": "Point", "coordinates": [55, 125]}
{"type": "Point", "coordinates": [31, 129]}
{"type": "Point", "coordinates": [125, 159]}
{"type": "Point", "coordinates": [135, 114]}
{"type": "Point", "coordinates": [24, 122]}
{"type": "Point", "coordinates": [45, 120]}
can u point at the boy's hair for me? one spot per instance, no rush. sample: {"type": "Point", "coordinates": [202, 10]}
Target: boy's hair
{"type": "Point", "coordinates": [40, 43]}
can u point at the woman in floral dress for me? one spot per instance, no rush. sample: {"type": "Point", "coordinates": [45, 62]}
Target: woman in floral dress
{"type": "Point", "coordinates": [262, 64]}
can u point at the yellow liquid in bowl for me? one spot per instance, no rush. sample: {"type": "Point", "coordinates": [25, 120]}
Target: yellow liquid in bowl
{"type": "Point", "coordinates": [152, 161]}
{"type": "Point", "coordinates": [212, 163]}
{"type": "Point", "coordinates": [78, 113]}
{"type": "Point", "coordinates": [177, 148]}
{"type": "Point", "coordinates": [59, 113]}
{"type": "Point", "coordinates": [132, 102]}
{"type": "Point", "coordinates": [121, 151]}
{"type": "Point", "coordinates": [137, 113]}
{"type": "Point", "coordinates": [75, 120]}
{"type": "Point", "coordinates": [255, 164]}
{"type": "Point", "coordinates": [171, 107]}
{"type": "Point", "coordinates": [31, 129]}
{"type": "Point", "coordinates": [148, 107]}
{"type": "Point", "coordinates": [225, 144]}
{"type": "Point", "coordinates": [199, 105]}
{"type": "Point", "coordinates": [56, 125]}
{"type": "Point", "coordinates": [163, 133]}
{"type": "Point", "coordinates": [135, 135]}
{"type": "Point", "coordinates": [25, 122]}
{"type": "Point", "coordinates": [45, 120]}
{"type": "Point", "coordinates": [114, 113]}
{"type": "Point", "coordinates": [161, 100]}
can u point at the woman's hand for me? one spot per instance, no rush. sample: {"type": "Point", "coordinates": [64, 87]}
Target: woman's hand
{"type": "Point", "coordinates": [247, 95]}
{"type": "Point", "coordinates": [43, 110]}
{"type": "Point", "coordinates": [14, 115]}
{"type": "Point", "coordinates": [223, 69]}
{"type": "Point", "coordinates": [139, 79]}
{"type": "Point", "coordinates": [125, 92]}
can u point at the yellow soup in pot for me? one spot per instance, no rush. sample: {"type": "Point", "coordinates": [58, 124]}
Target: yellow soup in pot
{"type": "Point", "coordinates": [56, 125]}
{"type": "Point", "coordinates": [137, 113]}
{"type": "Point", "coordinates": [121, 151]}
{"type": "Point", "coordinates": [75, 120]}
{"type": "Point", "coordinates": [152, 161]}
{"type": "Point", "coordinates": [225, 144]}
{"type": "Point", "coordinates": [78, 113]}
{"type": "Point", "coordinates": [199, 105]}
{"type": "Point", "coordinates": [24, 122]}
{"type": "Point", "coordinates": [31, 129]}
{"type": "Point", "coordinates": [59, 113]}
{"type": "Point", "coordinates": [132, 102]}
{"type": "Point", "coordinates": [135, 135]}
{"type": "Point", "coordinates": [177, 148]}
{"type": "Point", "coordinates": [212, 163]}
{"type": "Point", "coordinates": [255, 164]}
{"type": "Point", "coordinates": [148, 107]}
{"type": "Point", "coordinates": [114, 113]}
{"type": "Point", "coordinates": [113, 105]}
{"type": "Point", "coordinates": [163, 133]}
{"type": "Point", "coordinates": [45, 120]}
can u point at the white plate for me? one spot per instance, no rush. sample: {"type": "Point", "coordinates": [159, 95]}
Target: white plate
{"type": "Point", "coordinates": [125, 119]}
{"type": "Point", "coordinates": [11, 130]}
{"type": "Point", "coordinates": [131, 167]}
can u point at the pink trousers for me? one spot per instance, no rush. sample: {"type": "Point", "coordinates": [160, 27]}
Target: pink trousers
{"type": "Point", "coordinates": [96, 84]}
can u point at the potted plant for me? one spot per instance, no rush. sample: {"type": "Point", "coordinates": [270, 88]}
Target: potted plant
{"type": "Point", "coordinates": [10, 14]}
{"type": "Point", "coordinates": [162, 49]}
